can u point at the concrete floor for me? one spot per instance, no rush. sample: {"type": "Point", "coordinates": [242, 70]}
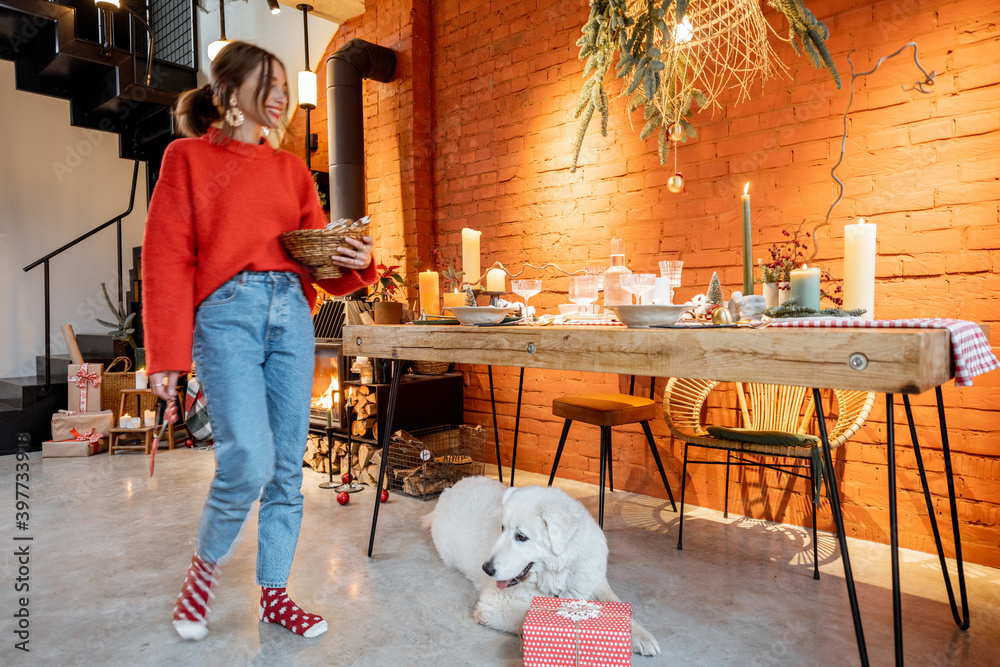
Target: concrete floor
{"type": "Point", "coordinates": [111, 547]}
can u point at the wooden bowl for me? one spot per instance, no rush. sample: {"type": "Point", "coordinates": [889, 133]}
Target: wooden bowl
{"type": "Point", "coordinates": [315, 247]}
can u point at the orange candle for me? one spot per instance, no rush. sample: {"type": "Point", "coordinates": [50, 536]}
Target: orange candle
{"type": "Point", "coordinates": [454, 299]}
{"type": "Point", "coordinates": [430, 300]}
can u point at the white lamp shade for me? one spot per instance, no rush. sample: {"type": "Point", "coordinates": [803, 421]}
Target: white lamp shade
{"type": "Point", "coordinates": [216, 46]}
{"type": "Point", "coordinates": [108, 4]}
{"type": "Point", "coordinates": [307, 89]}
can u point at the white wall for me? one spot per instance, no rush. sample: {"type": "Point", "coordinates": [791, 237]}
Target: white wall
{"type": "Point", "coordinates": [58, 181]}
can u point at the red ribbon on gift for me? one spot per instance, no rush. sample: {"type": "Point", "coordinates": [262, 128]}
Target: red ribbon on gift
{"type": "Point", "coordinates": [92, 435]}
{"type": "Point", "coordinates": [82, 378]}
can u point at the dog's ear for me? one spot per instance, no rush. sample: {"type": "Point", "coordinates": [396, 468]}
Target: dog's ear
{"type": "Point", "coordinates": [506, 494]}
{"type": "Point", "coordinates": [560, 528]}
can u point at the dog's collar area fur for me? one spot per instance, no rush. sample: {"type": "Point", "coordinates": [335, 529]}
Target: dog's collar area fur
{"type": "Point", "coordinates": [516, 580]}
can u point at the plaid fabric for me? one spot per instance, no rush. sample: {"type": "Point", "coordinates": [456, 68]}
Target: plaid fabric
{"type": "Point", "coordinates": [969, 345]}
{"type": "Point", "coordinates": [196, 411]}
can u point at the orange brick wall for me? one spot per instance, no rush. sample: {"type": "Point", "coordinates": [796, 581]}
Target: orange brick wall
{"type": "Point", "coordinates": [478, 132]}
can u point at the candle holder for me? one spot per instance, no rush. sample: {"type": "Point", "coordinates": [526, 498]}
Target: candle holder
{"type": "Point", "coordinates": [353, 486]}
{"type": "Point", "coordinates": [494, 297]}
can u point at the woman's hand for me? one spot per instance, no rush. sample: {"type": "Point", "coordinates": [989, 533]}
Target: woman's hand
{"type": "Point", "coordinates": [164, 385]}
{"type": "Point", "coordinates": [358, 256]}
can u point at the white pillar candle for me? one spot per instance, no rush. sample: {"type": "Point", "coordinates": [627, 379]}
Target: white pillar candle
{"type": "Point", "coordinates": [149, 418]}
{"type": "Point", "coordinates": [496, 280]}
{"type": "Point", "coordinates": [135, 422]}
{"type": "Point", "coordinates": [859, 268]}
{"type": "Point", "coordinates": [470, 255]}
{"type": "Point", "coordinates": [141, 381]}
{"type": "Point", "coordinates": [124, 421]}
{"type": "Point", "coordinates": [430, 300]}
{"type": "Point", "coordinates": [805, 287]}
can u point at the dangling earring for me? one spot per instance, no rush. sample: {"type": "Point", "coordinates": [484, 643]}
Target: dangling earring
{"type": "Point", "coordinates": [233, 114]}
{"type": "Point", "coordinates": [265, 131]}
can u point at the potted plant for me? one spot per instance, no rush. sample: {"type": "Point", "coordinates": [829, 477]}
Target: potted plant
{"type": "Point", "coordinates": [121, 330]}
{"type": "Point", "coordinates": [776, 273]}
{"type": "Point", "coordinates": [388, 286]}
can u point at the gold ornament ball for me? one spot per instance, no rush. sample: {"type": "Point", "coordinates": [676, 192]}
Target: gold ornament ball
{"type": "Point", "coordinates": [722, 315]}
{"type": "Point", "coordinates": [675, 132]}
{"type": "Point", "coordinates": [675, 183]}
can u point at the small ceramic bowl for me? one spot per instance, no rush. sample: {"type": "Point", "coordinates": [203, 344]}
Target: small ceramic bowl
{"type": "Point", "coordinates": [637, 317]}
{"type": "Point", "coordinates": [479, 314]}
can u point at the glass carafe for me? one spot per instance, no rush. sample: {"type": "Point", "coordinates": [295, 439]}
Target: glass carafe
{"type": "Point", "coordinates": [614, 293]}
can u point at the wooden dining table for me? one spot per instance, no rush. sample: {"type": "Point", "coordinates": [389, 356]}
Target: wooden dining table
{"type": "Point", "coordinates": [887, 361]}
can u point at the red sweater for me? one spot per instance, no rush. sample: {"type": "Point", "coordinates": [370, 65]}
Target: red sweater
{"type": "Point", "coordinates": [218, 210]}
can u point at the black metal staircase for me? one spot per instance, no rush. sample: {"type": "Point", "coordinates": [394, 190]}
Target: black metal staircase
{"type": "Point", "coordinates": [98, 60]}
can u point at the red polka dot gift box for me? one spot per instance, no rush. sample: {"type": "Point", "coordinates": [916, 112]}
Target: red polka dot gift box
{"type": "Point", "coordinates": [577, 633]}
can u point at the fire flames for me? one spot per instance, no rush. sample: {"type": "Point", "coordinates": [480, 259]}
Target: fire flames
{"type": "Point", "coordinates": [326, 400]}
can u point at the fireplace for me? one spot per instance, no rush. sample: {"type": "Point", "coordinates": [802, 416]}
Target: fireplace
{"type": "Point", "coordinates": [329, 375]}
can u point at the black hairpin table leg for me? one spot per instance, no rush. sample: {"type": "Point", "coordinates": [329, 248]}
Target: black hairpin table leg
{"type": "Point", "coordinates": [962, 620]}
{"type": "Point", "coordinates": [897, 607]}
{"type": "Point", "coordinates": [496, 431]}
{"type": "Point", "coordinates": [517, 427]}
{"type": "Point", "coordinates": [838, 520]}
{"type": "Point", "coordinates": [386, 437]}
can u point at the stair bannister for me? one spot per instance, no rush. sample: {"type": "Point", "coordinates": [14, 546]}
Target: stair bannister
{"type": "Point", "coordinates": [45, 261]}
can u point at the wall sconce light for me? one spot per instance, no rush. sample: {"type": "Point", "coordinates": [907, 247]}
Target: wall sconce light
{"type": "Point", "coordinates": [114, 5]}
{"type": "Point", "coordinates": [275, 7]}
{"type": "Point", "coordinates": [307, 88]}
{"type": "Point", "coordinates": [216, 46]}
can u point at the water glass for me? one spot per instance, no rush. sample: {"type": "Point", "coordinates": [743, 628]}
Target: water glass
{"type": "Point", "coordinates": [583, 289]}
{"type": "Point", "coordinates": [672, 269]}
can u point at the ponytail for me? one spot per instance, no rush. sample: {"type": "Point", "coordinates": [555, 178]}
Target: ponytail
{"type": "Point", "coordinates": [196, 111]}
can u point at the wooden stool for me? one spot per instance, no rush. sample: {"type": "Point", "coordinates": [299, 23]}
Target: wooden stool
{"type": "Point", "coordinates": [144, 433]}
{"type": "Point", "coordinates": [605, 411]}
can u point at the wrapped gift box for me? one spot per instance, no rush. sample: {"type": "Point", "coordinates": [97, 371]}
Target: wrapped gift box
{"type": "Point", "coordinates": [577, 632]}
{"type": "Point", "coordinates": [64, 422]}
{"type": "Point", "coordinates": [85, 387]}
{"type": "Point", "coordinates": [87, 444]}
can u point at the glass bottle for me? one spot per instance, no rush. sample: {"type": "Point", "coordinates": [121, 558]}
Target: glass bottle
{"type": "Point", "coordinates": [614, 293]}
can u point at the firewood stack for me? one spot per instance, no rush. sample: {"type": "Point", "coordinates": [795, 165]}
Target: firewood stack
{"type": "Point", "coordinates": [317, 455]}
{"type": "Point", "coordinates": [365, 406]}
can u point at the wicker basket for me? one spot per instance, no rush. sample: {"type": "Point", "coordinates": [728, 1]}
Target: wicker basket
{"type": "Point", "coordinates": [430, 367]}
{"type": "Point", "coordinates": [315, 247]}
{"type": "Point", "coordinates": [112, 384]}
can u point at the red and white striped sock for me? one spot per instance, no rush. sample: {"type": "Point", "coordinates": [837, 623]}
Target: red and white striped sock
{"type": "Point", "coordinates": [277, 607]}
{"type": "Point", "coordinates": [193, 604]}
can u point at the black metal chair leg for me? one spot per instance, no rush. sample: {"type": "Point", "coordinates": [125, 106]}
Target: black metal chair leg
{"type": "Point", "coordinates": [562, 441]}
{"type": "Point", "coordinates": [838, 520]}
{"type": "Point", "coordinates": [684, 472]}
{"type": "Point", "coordinates": [607, 454]}
{"type": "Point", "coordinates": [517, 426]}
{"type": "Point", "coordinates": [386, 436]}
{"type": "Point", "coordinates": [496, 431]}
{"type": "Point", "coordinates": [605, 430]}
{"type": "Point", "coordinates": [659, 463]}
{"type": "Point", "coordinates": [962, 621]}
{"type": "Point", "coordinates": [814, 502]}
{"type": "Point", "coordinates": [725, 506]}
{"type": "Point", "coordinates": [897, 603]}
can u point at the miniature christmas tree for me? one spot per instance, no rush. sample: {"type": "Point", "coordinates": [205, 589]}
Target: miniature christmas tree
{"type": "Point", "coordinates": [714, 295]}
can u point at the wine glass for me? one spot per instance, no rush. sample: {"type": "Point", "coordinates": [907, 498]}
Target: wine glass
{"type": "Point", "coordinates": [526, 289]}
{"type": "Point", "coordinates": [638, 284]}
{"type": "Point", "coordinates": [672, 269]}
{"type": "Point", "coordinates": [583, 290]}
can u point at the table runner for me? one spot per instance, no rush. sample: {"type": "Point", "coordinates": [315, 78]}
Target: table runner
{"type": "Point", "coordinates": [969, 346]}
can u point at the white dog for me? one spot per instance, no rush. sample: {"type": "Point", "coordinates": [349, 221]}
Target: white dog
{"type": "Point", "coordinates": [516, 543]}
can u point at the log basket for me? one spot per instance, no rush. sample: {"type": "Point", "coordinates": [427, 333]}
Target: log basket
{"type": "Point", "coordinates": [430, 367]}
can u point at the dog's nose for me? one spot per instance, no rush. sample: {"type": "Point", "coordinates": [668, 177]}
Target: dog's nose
{"type": "Point", "coordinates": [488, 568]}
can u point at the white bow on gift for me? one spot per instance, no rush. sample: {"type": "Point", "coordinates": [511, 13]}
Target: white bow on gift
{"type": "Point", "coordinates": [579, 610]}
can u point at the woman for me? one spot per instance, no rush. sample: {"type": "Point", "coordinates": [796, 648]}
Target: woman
{"type": "Point", "coordinates": [219, 288]}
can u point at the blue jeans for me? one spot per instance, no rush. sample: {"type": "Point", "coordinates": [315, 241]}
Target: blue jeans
{"type": "Point", "coordinates": [254, 354]}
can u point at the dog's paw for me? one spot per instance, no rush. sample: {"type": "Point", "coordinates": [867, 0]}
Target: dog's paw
{"type": "Point", "coordinates": [643, 642]}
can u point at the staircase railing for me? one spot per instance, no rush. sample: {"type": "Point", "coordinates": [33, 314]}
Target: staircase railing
{"type": "Point", "coordinates": [45, 262]}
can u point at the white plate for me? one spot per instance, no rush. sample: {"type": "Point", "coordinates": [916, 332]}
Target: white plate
{"type": "Point", "coordinates": [637, 317]}
{"type": "Point", "coordinates": [469, 315]}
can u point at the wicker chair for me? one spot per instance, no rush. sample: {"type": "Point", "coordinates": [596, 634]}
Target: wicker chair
{"type": "Point", "coordinates": [770, 414]}
{"type": "Point", "coordinates": [605, 411]}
